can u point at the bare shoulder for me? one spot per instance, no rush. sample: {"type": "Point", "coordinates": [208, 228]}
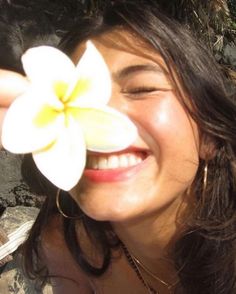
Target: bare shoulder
{"type": "Point", "coordinates": [67, 277]}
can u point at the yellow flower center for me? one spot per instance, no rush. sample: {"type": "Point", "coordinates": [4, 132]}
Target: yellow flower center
{"type": "Point", "coordinates": [48, 114]}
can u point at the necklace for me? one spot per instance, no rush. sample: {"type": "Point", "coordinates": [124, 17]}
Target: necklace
{"type": "Point", "coordinates": [135, 267]}
{"type": "Point", "coordinates": [169, 286]}
{"type": "Point", "coordinates": [136, 263]}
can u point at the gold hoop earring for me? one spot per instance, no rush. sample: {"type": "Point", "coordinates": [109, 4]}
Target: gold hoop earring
{"type": "Point", "coordinates": [59, 207]}
{"type": "Point", "coordinates": [205, 176]}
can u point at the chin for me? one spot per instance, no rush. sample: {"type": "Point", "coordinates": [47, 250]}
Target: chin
{"type": "Point", "coordinates": [107, 208]}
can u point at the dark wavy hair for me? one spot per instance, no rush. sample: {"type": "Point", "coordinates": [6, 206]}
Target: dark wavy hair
{"type": "Point", "coordinates": [206, 252]}
{"type": "Point", "coordinates": [30, 23]}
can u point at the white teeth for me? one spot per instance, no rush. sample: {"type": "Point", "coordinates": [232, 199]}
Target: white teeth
{"type": "Point", "coordinates": [124, 161]}
{"type": "Point", "coordinates": [133, 159]}
{"type": "Point", "coordinates": [113, 161]}
{"type": "Point", "coordinates": [102, 163]}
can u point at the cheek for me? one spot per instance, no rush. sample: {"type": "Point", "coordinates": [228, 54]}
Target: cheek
{"type": "Point", "coordinates": [170, 133]}
{"type": "Point", "coordinates": [172, 128]}
{"type": "Point", "coordinates": [166, 119]}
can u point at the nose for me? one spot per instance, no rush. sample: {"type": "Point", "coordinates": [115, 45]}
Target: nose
{"type": "Point", "coordinates": [118, 102]}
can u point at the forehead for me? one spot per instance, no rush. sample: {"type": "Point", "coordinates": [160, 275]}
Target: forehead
{"type": "Point", "coordinates": [121, 48]}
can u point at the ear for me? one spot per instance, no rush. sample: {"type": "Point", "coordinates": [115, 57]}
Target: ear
{"type": "Point", "coordinates": [208, 147]}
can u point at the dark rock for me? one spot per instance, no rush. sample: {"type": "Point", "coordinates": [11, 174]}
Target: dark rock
{"type": "Point", "coordinates": [10, 167]}
{"type": "Point", "coordinates": [13, 190]}
{"type": "Point", "coordinates": [10, 176]}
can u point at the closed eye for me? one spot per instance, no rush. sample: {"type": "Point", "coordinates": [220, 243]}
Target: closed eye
{"type": "Point", "coordinates": [139, 90]}
{"type": "Point", "coordinates": [142, 92]}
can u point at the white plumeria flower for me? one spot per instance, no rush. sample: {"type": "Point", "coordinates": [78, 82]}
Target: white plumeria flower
{"type": "Point", "coordinates": [63, 113]}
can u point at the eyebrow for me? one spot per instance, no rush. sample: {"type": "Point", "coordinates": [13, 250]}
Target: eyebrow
{"type": "Point", "coordinates": [130, 70]}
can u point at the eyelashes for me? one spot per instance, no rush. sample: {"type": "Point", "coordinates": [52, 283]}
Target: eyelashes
{"type": "Point", "coordinates": [141, 92]}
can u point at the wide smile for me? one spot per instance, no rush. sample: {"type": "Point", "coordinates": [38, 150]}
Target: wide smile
{"type": "Point", "coordinates": [115, 166]}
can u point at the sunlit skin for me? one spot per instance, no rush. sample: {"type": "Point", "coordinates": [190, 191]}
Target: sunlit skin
{"type": "Point", "coordinates": [143, 207]}
{"type": "Point", "coordinates": [165, 131]}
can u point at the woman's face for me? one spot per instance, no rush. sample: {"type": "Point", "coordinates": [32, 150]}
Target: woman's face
{"type": "Point", "coordinates": [155, 172]}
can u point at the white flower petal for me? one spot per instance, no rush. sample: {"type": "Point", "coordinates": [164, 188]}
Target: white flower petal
{"type": "Point", "coordinates": [92, 70]}
{"type": "Point", "coordinates": [45, 64]}
{"type": "Point", "coordinates": [64, 162]}
{"type": "Point", "coordinates": [105, 129]}
{"type": "Point", "coordinates": [44, 94]}
{"type": "Point", "coordinates": [19, 132]}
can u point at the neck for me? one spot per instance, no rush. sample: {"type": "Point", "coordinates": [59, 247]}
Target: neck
{"type": "Point", "coordinates": [150, 239]}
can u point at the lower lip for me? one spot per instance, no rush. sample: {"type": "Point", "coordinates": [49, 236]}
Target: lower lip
{"type": "Point", "coordinates": [113, 175]}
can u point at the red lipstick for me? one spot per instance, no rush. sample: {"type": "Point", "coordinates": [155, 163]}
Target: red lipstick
{"type": "Point", "coordinates": [116, 174]}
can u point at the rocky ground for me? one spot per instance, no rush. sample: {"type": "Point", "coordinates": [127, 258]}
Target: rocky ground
{"type": "Point", "coordinates": [17, 206]}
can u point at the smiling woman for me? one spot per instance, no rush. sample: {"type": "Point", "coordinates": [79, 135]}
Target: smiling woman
{"type": "Point", "coordinates": [160, 214]}
{"type": "Point", "coordinates": [144, 93]}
